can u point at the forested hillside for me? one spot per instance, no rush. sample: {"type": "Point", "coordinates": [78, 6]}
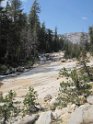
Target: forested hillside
{"type": "Point", "coordinates": [23, 36]}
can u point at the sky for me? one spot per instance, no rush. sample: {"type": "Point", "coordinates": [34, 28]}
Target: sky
{"type": "Point", "coordinates": [66, 15]}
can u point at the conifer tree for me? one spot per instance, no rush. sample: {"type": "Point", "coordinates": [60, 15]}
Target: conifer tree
{"type": "Point", "coordinates": [75, 89]}
{"type": "Point", "coordinates": [34, 27]}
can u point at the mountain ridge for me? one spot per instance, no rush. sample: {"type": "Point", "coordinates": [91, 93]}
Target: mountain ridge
{"type": "Point", "coordinates": [75, 37]}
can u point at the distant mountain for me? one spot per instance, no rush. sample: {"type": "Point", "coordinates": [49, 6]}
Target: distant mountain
{"type": "Point", "coordinates": [76, 37]}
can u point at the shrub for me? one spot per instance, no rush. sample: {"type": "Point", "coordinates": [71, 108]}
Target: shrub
{"type": "Point", "coordinates": [3, 69]}
{"type": "Point", "coordinates": [83, 59]}
{"type": "Point", "coordinates": [7, 107]}
{"type": "Point", "coordinates": [30, 100]}
{"type": "Point", "coordinates": [75, 88]}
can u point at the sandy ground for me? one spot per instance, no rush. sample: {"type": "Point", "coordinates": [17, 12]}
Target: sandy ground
{"type": "Point", "coordinates": [42, 78]}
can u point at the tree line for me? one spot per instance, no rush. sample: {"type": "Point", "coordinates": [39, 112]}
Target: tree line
{"type": "Point", "coordinates": [22, 35]}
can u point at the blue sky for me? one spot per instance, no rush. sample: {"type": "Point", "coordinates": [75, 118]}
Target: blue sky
{"type": "Point", "coordinates": [66, 15]}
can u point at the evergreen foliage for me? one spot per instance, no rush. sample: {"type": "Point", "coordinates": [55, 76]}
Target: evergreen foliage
{"type": "Point", "coordinates": [72, 50]}
{"type": "Point", "coordinates": [91, 39]}
{"type": "Point", "coordinates": [75, 89]}
{"type": "Point", "coordinates": [7, 107]}
{"type": "Point", "coordinates": [30, 100]}
{"type": "Point", "coordinates": [10, 108]}
{"type": "Point", "coordinates": [85, 69]}
{"type": "Point", "coordinates": [22, 36]}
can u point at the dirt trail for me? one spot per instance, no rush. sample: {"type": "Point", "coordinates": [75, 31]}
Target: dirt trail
{"type": "Point", "coordinates": [43, 78]}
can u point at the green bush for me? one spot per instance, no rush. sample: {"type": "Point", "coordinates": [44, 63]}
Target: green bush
{"type": "Point", "coordinates": [75, 89]}
{"type": "Point", "coordinates": [30, 100]}
{"type": "Point", "coordinates": [3, 69]}
{"type": "Point", "coordinates": [7, 107]}
{"type": "Point", "coordinates": [72, 50]}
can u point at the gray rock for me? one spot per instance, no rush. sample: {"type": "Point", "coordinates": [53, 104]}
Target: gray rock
{"type": "Point", "coordinates": [47, 98]}
{"type": "Point", "coordinates": [90, 100]}
{"type": "Point", "coordinates": [33, 109]}
{"type": "Point", "coordinates": [63, 60]}
{"type": "Point", "coordinates": [53, 101]}
{"type": "Point", "coordinates": [45, 118]}
{"type": "Point", "coordinates": [75, 37]}
{"type": "Point", "coordinates": [76, 117]}
{"type": "Point", "coordinates": [82, 115]}
{"type": "Point", "coordinates": [57, 113]}
{"type": "Point", "coordinates": [1, 85]}
{"type": "Point", "coordinates": [29, 119]}
{"type": "Point", "coordinates": [71, 108]}
{"type": "Point", "coordinates": [39, 107]}
{"type": "Point", "coordinates": [20, 69]}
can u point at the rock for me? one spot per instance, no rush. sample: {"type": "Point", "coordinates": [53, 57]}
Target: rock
{"type": "Point", "coordinates": [13, 70]}
{"type": "Point", "coordinates": [57, 113]}
{"type": "Point", "coordinates": [1, 85]}
{"type": "Point", "coordinates": [65, 118]}
{"type": "Point", "coordinates": [33, 109]}
{"type": "Point", "coordinates": [20, 69]}
{"type": "Point", "coordinates": [88, 115]}
{"type": "Point", "coordinates": [8, 71]}
{"type": "Point", "coordinates": [1, 94]}
{"type": "Point", "coordinates": [36, 108]}
{"type": "Point", "coordinates": [71, 107]}
{"type": "Point", "coordinates": [76, 117]}
{"type": "Point", "coordinates": [82, 115]}
{"type": "Point", "coordinates": [64, 110]}
{"type": "Point", "coordinates": [47, 98]}
{"type": "Point", "coordinates": [45, 118]}
{"type": "Point", "coordinates": [29, 119]}
{"type": "Point", "coordinates": [52, 107]}
{"type": "Point", "coordinates": [75, 37]}
{"type": "Point", "coordinates": [90, 100]}
{"type": "Point", "coordinates": [53, 101]}
{"type": "Point", "coordinates": [63, 60]}
{"type": "Point", "coordinates": [39, 107]}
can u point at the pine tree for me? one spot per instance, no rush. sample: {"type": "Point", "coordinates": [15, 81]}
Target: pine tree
{"type": "Point", "coordinates": [91, 38]}
{"type": "Point", "coordinates": [75, 89]}
{"type": "Point", "coordinates": [34, 27]}
{"type": "Point", "coordinates": [16, 16]}
{"type": "Point", "coordinates": [4, 31]}
{"type": "Point", "coordinates": [42, 38]}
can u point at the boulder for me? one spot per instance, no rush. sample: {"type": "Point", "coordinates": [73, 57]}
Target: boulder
{"type": "Point", "coordinates": [71, 107]}
{"type": "Point", "coordinates": [34, 108]}
{"type": "Point", "coordinates": [29, 119]}
{"type": "Point", "coordinates": [1, 85]}
{"type": "Point", "coordinates": [76, 117]}
{"type": "Point", "coordinates": [90, 100]}
{"type": "Point", "coordinates": [53, 101]}
{"type": "Point", "coordinates": [47, 98]}
{"type": "Point", "coordinates": [39, 107]}
{"type": "Point", "coordinates": [57, 113]}
{"type": "Point", "coordinates": [20, 69]}
{"type": "Point", "coordinates": [45, 118]}
{"type": "Point", "coordinates": [82, 115]}
{"type": "Point", "coordinates": [63, 60]}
